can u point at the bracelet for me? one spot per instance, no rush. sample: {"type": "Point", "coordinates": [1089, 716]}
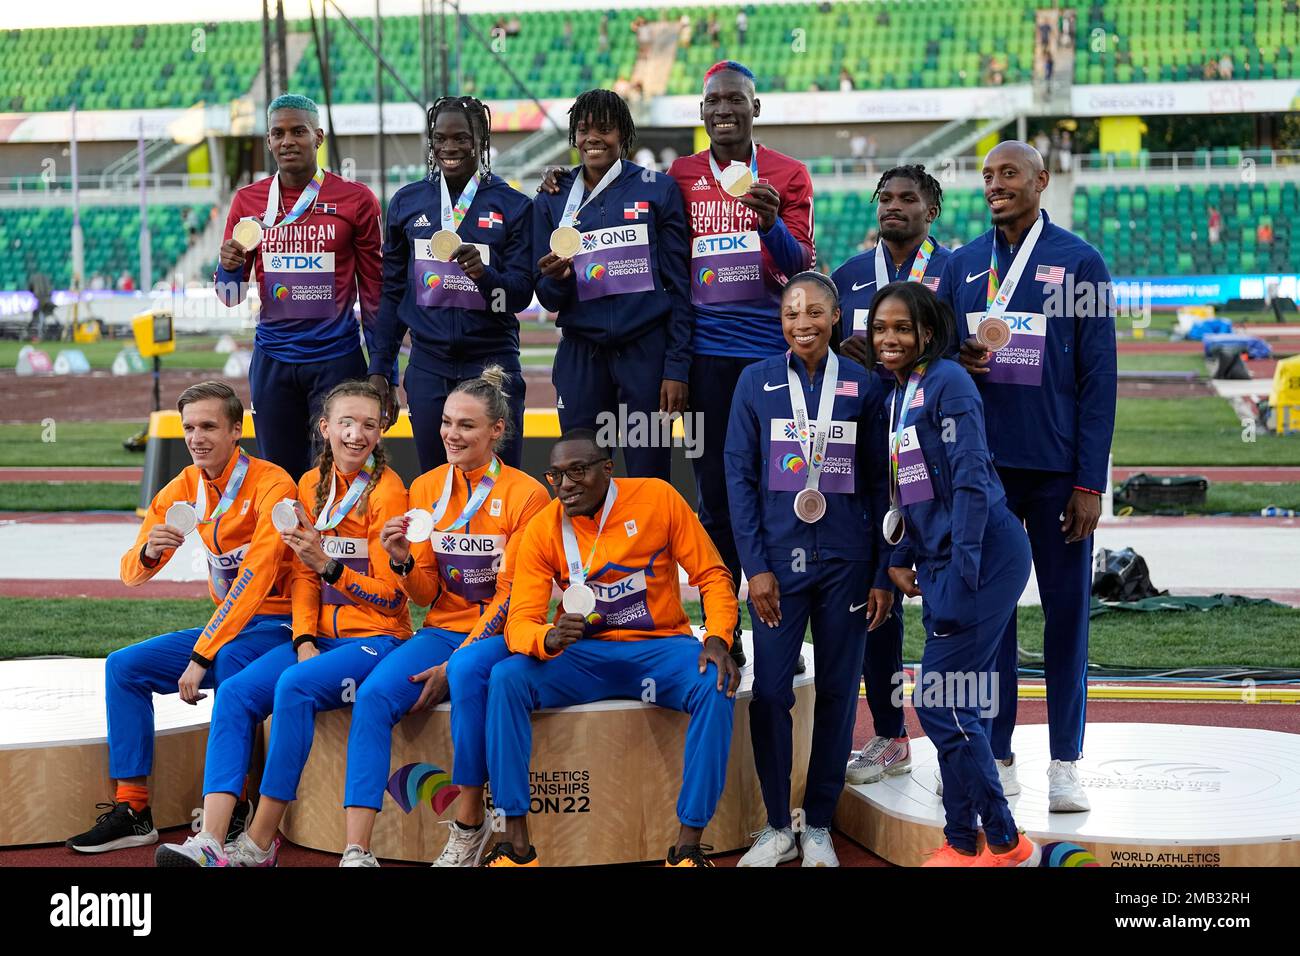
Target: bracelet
{"type": "Point", "coordinates": [304, 639]}
{"type": "Point", "coordinates": [1088, 490]}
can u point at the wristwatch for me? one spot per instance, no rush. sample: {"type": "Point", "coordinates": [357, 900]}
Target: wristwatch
{"type": "Point", "coordinates": [402, 570]}
{"type": "Point", "coordinates": [333, 571]}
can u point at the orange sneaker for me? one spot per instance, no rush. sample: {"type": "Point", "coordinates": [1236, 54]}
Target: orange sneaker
{"type": "Point", "coordinates": [948, 855]}
{"type": "Point", "coordinates": [692, 855]}
{"type": "Point", "coordinates": [1025, 853]}
{"type": "Point", "coordinates": [503, 854]}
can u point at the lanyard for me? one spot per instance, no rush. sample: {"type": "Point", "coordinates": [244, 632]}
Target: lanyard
{"type": "Point", "coordinates": [453, 216]}
{"type": "Point", "coordinates": [577, 570]}
{"type": "Point", "coordinates": [919, 263]}
{"type": "Point", "coordinates": [227, 499]}
{"type": "Point", "coordinates": [999, 293]}
{"type": "Point", "coordinates": [475, 501]}
{"type": "Point", "coordinates": [575, 204]}
{"type": "Point", "coordinates": [305, 201]}
{"type": "Point", "coordinates": [753, 165]}
{"type": "Point", "coordinates": [814, 446]}
{"type": "Point", "coordinates": [913, 382]}
{"type": "Point", "coordinates": [328, 519]}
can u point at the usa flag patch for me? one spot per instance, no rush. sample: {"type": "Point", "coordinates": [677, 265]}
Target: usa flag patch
{"type": "Point", "coordinates": [931, 283]}
{"type": "Point", "coordinates": [327, 208]}
{"type": "Point", "coordinates": [491, 220]}
{"type": "Point", "coordinates": [635, 210]}
{"type": "Point", "coordinates": [847, 388]}
{"type": "Point", "coordinates": [1052, 274]}
{"type": "Point", "coordinates": [918, 400]}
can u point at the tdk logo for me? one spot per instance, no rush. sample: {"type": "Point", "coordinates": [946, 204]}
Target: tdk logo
{"type": "Point", "coordinates": [736, 243]}
{"type": "Point", "coordinates": [1020, 323]}
{"type": "Point", "coordinates": [612, 592]}
{"type": "Point", "coordinates": [295, 262]}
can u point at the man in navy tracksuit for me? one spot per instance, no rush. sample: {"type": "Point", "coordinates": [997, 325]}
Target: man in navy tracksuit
{"type": "Point", "coordinates": [909, 201]}
{"type": "Point", "coordinates": [462, 312]}
{"type": "Point", "coordinates": [829, 570]}
{"type": "Point", "coordinates": [1042, 295]}
{"type": "Point", "coordinates": [622, 301]}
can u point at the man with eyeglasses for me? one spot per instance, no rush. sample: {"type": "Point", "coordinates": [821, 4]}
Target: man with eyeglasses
{"type": "Point", "coordinates": [613, 547]}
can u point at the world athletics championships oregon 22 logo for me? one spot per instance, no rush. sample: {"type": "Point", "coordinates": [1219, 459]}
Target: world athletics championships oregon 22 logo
{"type": "Point", "coordinates": [793, 463]}
{"type": "Point", "coordinates": [279, 291]}
{"type": "Point", "coordinates": [595, 271]}
{"type": "Point", "coordinates": [431, 280]}
{"type": "Point", "coordinates": [706, 276]}
{"type": "Point", "coordinates": [415, 783]}
{"type": "Point", "coordinates": [1066, 854]}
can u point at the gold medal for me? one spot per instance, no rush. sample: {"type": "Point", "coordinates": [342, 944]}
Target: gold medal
{"type": "Point", "coordinates": [444, 244]}
{"type": "Point", "coordinates": [248, 233]}
{"type": "Point", "coordinates": [736, 180]}
{"type": "Point", "coordinates": [565, 242]}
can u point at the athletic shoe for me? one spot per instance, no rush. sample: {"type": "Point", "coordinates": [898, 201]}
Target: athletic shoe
{"type": "Point", "coordinates": [815, 843]}
{"type": "Point", "coordinates": [946, 855]}
{"type": "Point", "coordinates": [200, 850]}
{"type": "Point", "coordinates": [244, 852]}
{"type": "Point", "coordinates": [690, 855]}
{"type": "Point", "coordinates": [882, 756]}
{"type": "Point", "coordinates": [1026, 853]}
{"type": "Point", "coordinates": [1064, 792]}
{"type": "Point", "coordinates": [464, 847]}
{"type": "Point", "coordinates": [800, 665]}
{"type": "Point", "coordinates": [238, 820]}
{"type": "Point", "coordinates": [115, 829]}
{"type": "Point", "coordinates": [503, 854]}
{"type": "Point", "coordinates": [771, 848]}
{"type": "Point", "coordinates": [1006, 776]}
{"type": "Point", "coordinates": [354, 855]}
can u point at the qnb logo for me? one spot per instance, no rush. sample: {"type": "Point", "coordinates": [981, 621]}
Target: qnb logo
{"type": "Point", "coordinates": [449, 542]}
{"type": "Point", "coordinates": [75, 909]}
{"type": "Point", "coordinates": [793, 463]}
{"type": "Point", "coordinates": [589, 242]}
{"type": "Point", "coordinates": [706, 276]}
{"type": "Point", "coordinates": [431, 280]}
{"type": "Point", "coordinates": [792, 432]}
{"type": "Point", "coordinates": [280, 291]}
{"type": "Point", "coordinates": [595, 271]}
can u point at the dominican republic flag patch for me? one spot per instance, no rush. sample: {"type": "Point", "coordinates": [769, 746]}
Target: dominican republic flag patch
{"type": "Point", "coordinates": [327, 208]}
{"type": "Point", "coordinates": [847, 388]}
{"type": "Point", "coordinates": [635, 210]}
{"type": "Point", "coordinates": [918, 400]}
{"type": "Point", "coordinates": [1053, 274]}
{"type": "Point", "coordinates": [931, 283]}
{"type": "Point", "coordinates": [491, 220]}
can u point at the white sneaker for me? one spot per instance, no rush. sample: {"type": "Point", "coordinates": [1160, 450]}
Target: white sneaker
{"type": "Point", "coordinates": [1064, 792]}
{"type": "Point", "coordinates": [202, 849]}
{"type": "Point", "coordinates": [244, 852]}
{"type": "Point", "coordinates": [771, 848]}
{"type": "Point", "coordinates": [354, 855]}
{"type": "Point", "coordinates": [1006, 776]}
{"type": "Point", "coordinates": [817, 847]}
{"type": "Point", "coordinates": [890, 758]}
{"type": "Point", "coordinates": [464, 847]}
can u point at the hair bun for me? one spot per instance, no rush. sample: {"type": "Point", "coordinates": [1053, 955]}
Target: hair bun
{"type": "Point", "coordinates": [495, 376]}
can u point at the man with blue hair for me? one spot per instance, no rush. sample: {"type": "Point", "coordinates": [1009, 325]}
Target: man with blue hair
{"type": "Point", "coordinates": [314, 240]}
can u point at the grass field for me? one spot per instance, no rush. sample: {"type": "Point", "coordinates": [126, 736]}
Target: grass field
{"type": "Point", "coordinates": [69, 443]}
{"type": "Point", "coordinates": [1252, 636]}
{"type": "Point", "coordinates": [1193, 431]}
{"type": "Point", "coordinates": [1158, 362]}
{"type": "Point", "coordinates": [192, 351]}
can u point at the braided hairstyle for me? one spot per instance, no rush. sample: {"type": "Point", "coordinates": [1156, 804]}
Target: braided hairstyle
{"type": "Point", "coordinates": [325, 462]}
{"type": "Point", "coordinates": [927, 184]}
{"type": "Point", "coordinates": [479, 118]}
{"type": "Point", "coordinates": [604, 107]}
{"type": "Point", "coordinates": [490, 389]}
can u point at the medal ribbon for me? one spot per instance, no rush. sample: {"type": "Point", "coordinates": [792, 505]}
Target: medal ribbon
{"type": "Point", "coordinates": [919, 263]}
{"type": "Point", "coordinates": [999, 293]}
{"type": "Point", "coordinates": [753, 165]}
{"type": "Point", "coordinates": [577, 570]}
{"type": "Point", "coordinates": [913, 382]}
{"type": "Point", "coordinates": [305, 201]}
{"type": "Point", "coordinates": [575, 203]}
{"type": "Point", "coordinates": [453, 216]}
{"type": "Point", "coordinates": [227, 499]}
{"type": "Point", "coordinates": [328, 519]}
{"type": "Point", "coordinates": [813, 446]}
{"type": "Point", "coordinates": [475, 502]}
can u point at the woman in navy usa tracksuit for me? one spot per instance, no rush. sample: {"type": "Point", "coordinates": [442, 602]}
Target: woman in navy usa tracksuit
{"type": "Point", "coordinates": [950, 521]}
{"type": "Point", "coordinates": [806, 429]}
{"type": "Point", "coordinates": [623, 299]}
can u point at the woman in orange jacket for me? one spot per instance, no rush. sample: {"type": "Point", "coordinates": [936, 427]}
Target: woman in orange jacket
{"type": "Point", "coordinates": [348, 614]}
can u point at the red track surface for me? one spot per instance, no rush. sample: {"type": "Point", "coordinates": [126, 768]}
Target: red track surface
{"type": "Point", "coordinates": [1263, 716]}
{"type": "Point", "coordinates": [124, 475]}
{"type": "Point", "coordinates": [1247, 473]}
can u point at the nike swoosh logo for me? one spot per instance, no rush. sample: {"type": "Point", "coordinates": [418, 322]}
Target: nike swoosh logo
{"type": "Point", "coordinates": [972, 278]}
{"type": "Point", "coordinates": [859, 288]}
{"type": "Point", "coordinates": [855, 608]}
{"type": "Point", "coordinates": [944, 634]}
{"type": "Point", "coordinates": [772, 388]}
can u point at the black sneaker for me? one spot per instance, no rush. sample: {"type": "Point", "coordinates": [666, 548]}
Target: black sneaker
{"type": "Point", "coordinates": [737, 648]}
{"type": "Point", "coordinates": [238, 821]}
{"type": "Point", "coordinates": [690, 855]}
{"type": "Point", "coordinates": [115, 829]}
{"type": "Point", "coordinates": [503, 854]}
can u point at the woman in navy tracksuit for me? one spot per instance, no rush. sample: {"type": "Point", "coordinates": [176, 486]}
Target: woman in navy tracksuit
{"type": "Point", "coordinates": [461, 313]}
{"type": "Point", "coordinates": [831, 570]}
{"type": "Point", "coordinates": [971, 559]}
{"type": "Point", "coordinates": [622, 300]}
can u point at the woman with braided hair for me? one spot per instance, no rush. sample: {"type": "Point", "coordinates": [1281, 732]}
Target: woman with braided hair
{"type": "Point", "coordinates": [349, 612]}
{"type": "Point", "coordinates": [457, 270]}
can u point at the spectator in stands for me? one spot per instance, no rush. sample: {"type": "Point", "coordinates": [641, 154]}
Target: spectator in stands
{"type": "Point", "coordinates": [125, 283]}
{"type": "Point", "coordinates": [1264, 234]}
{"type": "Point", "coordinates": [568, 34]}
{"type": "Point", "coordinates": [684, 31]}
{"type": "Point", "coordinates": [644, 33]}
{"type": "Point", "coordinates": [858, 151]}
{"type": "Point", "coordinates": [1291, 7]}
{"type": "Point", "coordinates": [1215, 225]}
{"type": "Point", "coordinates": [667, 156]}
{"type": "Point", "coordinates": [97, 281]}
{"type": "Point", "coordinates": [513, 26]}
{"type": "Point", "coordinates": [1065, 152]}
{"type": "Point", "coordinates": [1045, 35]}
{"type": "Point", "coordinates": [846, 80]}
{"type": "Point", "coordinates": [742, 24]}
{"type": "Point", "coordinates": [1210, 71]}
{"type": "Point", "coordinates": [1225, 67]}
{"type": "Point", "coordinates": [1049, 67]}
{"type": "Point", "coordinates": [602, 38]}
{"type": "Point", "coordinates": [882, 18]}
{"type": "Point", "coordinates": [715, 30]}
{"type": "Point", "coordinates": [645, 157]}
{"type": "Point", "coordinates": [1043, 143]}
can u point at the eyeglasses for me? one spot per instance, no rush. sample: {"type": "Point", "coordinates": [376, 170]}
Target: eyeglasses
{"type": "Point", "coordinates": [576, 472]}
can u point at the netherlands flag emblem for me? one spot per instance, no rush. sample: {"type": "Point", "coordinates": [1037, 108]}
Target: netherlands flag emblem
{"type": "Point", "coordinates": [491, 220]}
{"type": "Point", "coordinates": [1052, 274]}
{"type": "Point", "coordinates": [635, 210]}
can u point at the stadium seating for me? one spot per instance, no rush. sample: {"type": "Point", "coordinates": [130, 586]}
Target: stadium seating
{"type": "Point", "coordinates": [128, 67]}
{"type": "Point", "coordinates": [1130, 41]}
{"type": "Point", "coordinates": [40, 240]}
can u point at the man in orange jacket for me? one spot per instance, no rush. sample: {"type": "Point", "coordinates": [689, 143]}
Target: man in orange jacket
{"type": "Point", "coordinates": [614, 547]}
{"type": "Point", "coordinates": [225, 498]}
